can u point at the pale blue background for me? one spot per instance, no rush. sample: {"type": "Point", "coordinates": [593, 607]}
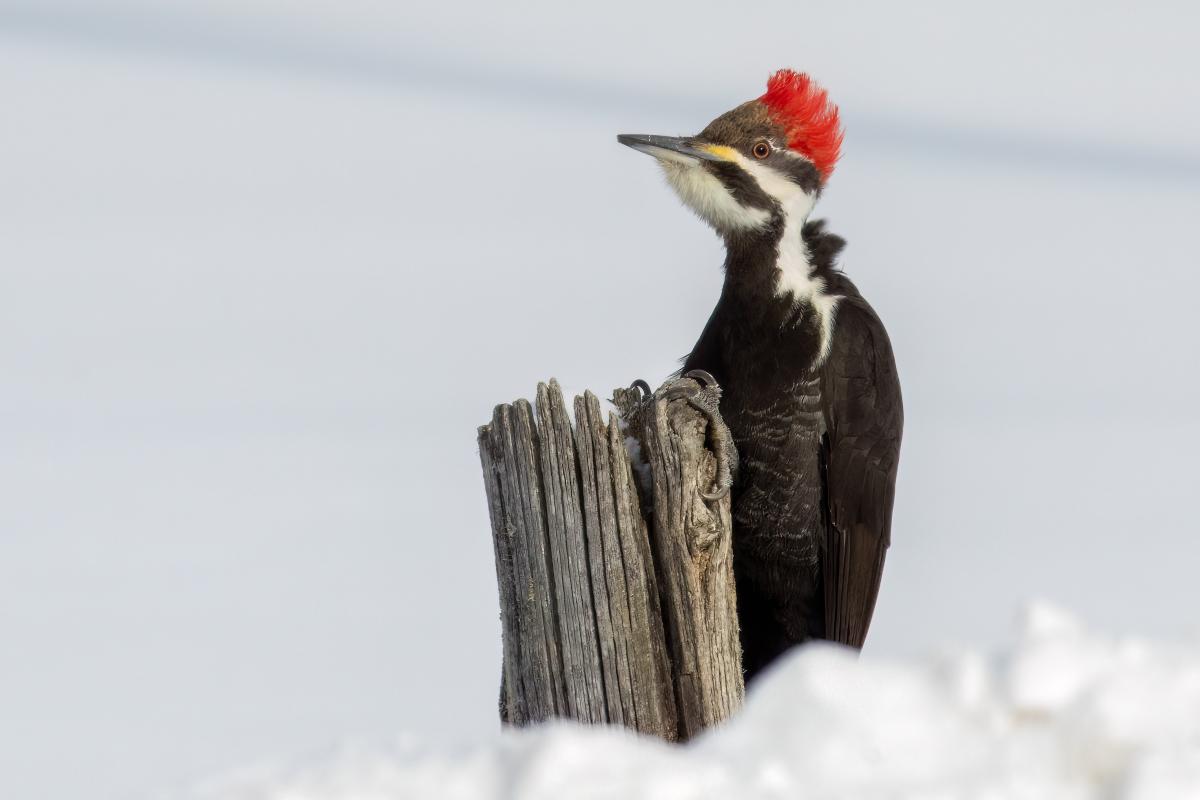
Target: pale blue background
{"type": "Point", "coordinates": [250, 259]}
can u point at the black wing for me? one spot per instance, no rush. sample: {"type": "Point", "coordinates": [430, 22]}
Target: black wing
{"type": "Point", "coordinates": [864, 416]}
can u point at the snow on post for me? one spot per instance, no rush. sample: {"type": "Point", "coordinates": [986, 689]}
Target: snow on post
{"type": "Point", "coordinates": [617, 605]}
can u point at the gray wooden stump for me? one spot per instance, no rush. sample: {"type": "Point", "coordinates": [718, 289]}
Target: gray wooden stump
{"type": "Point", "coordinates": [607, 618]}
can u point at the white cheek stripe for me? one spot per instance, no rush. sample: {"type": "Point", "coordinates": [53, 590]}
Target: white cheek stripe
{"type": "Point", "coordinates": [704, 193]}
{"type": "Point", "coordinates": [794, 268]}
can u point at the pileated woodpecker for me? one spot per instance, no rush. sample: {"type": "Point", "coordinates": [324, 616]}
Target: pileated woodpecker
{"type": "Point", "coordinates": [807, 381]}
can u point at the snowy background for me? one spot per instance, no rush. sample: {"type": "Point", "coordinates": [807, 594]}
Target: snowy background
{"type": "Point", "coordinates": [1069, 714]}
{"type": "Point", "coordinates": [250, 260]}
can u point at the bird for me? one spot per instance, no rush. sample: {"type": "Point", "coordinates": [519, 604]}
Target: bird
{"type": "Point", "coordinates": [798, 368]}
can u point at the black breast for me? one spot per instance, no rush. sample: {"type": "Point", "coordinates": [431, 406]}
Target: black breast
{"type": "Point", "coordinates": [764, 351]}
{"type": "Point", "coordinates": [772, 404]}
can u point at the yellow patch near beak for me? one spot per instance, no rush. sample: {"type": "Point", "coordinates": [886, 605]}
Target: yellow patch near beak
{"type": "Point", "coordinates": [720, 151]}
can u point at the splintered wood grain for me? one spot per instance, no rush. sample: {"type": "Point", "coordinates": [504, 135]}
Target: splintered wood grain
{"type": "Point", "coordinates": [606, 618]}
{"type": "Point", "coordinates": [568, 547]}
{"type": "Point", "coordinates": [647, 653]}
{"type": "Point", "coordinates": [604, 562]}
{"type": "Point", "coordinates": [636, 673]}
{"type": "Point", "coordinates": [692, 541]}
{"type": "Point", "coordinates": [539, 664]}
{"type": "Point", "coordinates": [512, 692]}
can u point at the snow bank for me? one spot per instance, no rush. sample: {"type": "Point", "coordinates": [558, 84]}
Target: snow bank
{"type": "Point", "coordinates": [1066, 714]}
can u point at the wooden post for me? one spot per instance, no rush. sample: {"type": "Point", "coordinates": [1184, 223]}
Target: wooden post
{"type": "Point", "coordinates": [607, 619]}
{"type": "Point", "coordinates": [693, 550]}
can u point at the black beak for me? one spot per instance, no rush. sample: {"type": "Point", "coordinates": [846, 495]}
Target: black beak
{"type": "Point", "coordinates": [668, 147]}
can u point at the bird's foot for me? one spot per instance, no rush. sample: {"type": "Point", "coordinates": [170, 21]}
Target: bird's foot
{"type": "Point", "coordinates": [640, 384]}
{"type": "Point", "coordinates": [703, 393]}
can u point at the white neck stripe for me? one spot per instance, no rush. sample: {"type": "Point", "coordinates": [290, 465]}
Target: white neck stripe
{"type": "Point", "coordinates": [793, 261]}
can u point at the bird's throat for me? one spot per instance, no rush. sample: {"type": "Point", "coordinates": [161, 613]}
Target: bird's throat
{"type": "Point", "coordinates": [774, 260]}
{"type": "Point", "coordinates": [794, 274]}
{"type": "Point", "coordinates": [773, 278]}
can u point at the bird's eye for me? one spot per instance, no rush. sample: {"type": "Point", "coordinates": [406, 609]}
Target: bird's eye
{"type": "Point", "coordinates": [761, 150]}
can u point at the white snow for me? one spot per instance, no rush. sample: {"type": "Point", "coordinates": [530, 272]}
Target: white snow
{"type": "Point", "coordinates": [1066, 713]}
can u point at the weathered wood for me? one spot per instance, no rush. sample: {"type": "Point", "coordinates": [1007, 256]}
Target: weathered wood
{"type": "Point", "coordinates": [584, 683]}
{"type": "Point", "coordinates": [604, 618]}
{"type": "Point", "coordinates": [608, 587]}
{"type": "Point", "coordinates": [512, 694]}
{"type": "Point", "coordinates": [539, 666]}
{"type": "Point", "coordinates": [649, 663]}
{"type": "Point", "coordinates": [693, 550]}
{"type": "Point", "coordinates": [637, 675]}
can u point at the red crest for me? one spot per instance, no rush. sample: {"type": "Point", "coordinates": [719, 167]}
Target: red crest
{"type": "Point", "coordinates": [803, 109]}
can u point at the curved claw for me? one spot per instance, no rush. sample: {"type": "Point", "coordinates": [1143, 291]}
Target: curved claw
{"type": "Point", "coordinates": [726, 456]}
{"type": "Point", "coordinates": [705, 400]}
{"type": "Point", "coordinates": [643, 386]}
